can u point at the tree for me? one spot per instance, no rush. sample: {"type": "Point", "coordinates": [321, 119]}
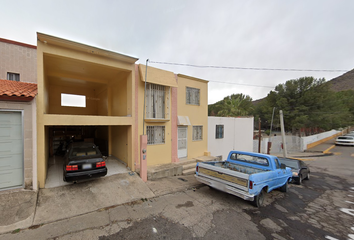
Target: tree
{"type": "Point", "coordinates": [306, 102]}
{"type": "Point", "coordinates": [232, 106]}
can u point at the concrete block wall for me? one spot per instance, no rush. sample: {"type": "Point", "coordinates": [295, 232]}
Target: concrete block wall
{"type": "Point", "coordinates": [18, 58]}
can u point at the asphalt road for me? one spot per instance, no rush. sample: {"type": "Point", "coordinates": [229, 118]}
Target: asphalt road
{"type": "Point", "coordinates": [321, 208]}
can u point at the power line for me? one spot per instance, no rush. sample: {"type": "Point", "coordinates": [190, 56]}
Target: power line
{"type": "Point", "coordinates": [249, 85]}
{"type": "Point", "coordinates": [250, 68]}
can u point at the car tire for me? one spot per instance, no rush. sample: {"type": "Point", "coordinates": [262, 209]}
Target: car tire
{"type": "Point", "coordinates": [285, 187]}
{"type": "Point", "coordinates": [308, 176]}
{"type": "Point", "coordinates": [259, 199]}
{"type": "Point", "coordinates": [300, 180]}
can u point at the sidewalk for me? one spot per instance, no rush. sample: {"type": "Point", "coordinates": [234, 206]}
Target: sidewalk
{"type": "Point", "coordinates": [23, 209]}
{"type": "Point", "coordinates": [26, 209]}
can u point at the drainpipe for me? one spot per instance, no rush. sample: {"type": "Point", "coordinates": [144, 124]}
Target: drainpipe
{"type": "Point", "coordinates": [147, 60]}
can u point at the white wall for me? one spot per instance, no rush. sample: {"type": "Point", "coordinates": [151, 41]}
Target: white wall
{"type": "Point", "coordinates": [294, 143]}
{"type": "Point", "coordinates": [238, 135]}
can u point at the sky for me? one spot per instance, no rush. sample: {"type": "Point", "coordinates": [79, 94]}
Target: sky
{"type": "Point", "coordinates": [267, 34]}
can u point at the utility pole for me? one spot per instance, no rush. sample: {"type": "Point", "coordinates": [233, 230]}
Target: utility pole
{"type": "Point", "coordinates": [283, 133]}
{"type": "Point", "coordinates": [270, 134]}
{"type": "Point", "coordinates": [259, 136]}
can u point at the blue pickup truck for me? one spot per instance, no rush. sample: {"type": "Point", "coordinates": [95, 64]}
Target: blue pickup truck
{"type": "Point", "coordinates": [246, 175]}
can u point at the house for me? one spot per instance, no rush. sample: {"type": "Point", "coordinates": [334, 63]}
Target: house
{"type": "Point", "coordinates": [228, 133]}
{"type": "Point", "coordinates": [102, 85]}
{"type": "Point", "coordinates": [18, 90]}
{"type": "Point", "coordinates": [110, 91]}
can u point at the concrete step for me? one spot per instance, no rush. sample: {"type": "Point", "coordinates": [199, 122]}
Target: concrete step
{"type": "Point", "coordinates": [189, 166]}
{"type": "Point", "coordinates": [189, 171]}
{"type": "Point", "coordinates": [185, 162]}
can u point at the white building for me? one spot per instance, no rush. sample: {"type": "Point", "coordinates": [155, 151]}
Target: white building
{"type": "Point", "coordinates": [226, 134]}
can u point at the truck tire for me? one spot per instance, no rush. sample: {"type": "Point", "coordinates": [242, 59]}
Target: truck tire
{"type": "Point", "coordinates": [285, 187]}
{"type": "Point", "coordinates": [259, 199]}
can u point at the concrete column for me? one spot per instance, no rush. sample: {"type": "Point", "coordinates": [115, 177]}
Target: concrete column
{"type": "Point", "coordinates": [143, 157]}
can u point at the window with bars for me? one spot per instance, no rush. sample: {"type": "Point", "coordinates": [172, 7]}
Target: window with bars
{"type": "Point", "coordinates": [13, 76]}
{"type": "Point", "coordinates": [192, 96]}
{"type": "Point", "coordinates": [197, 133]}
{"type": "Point", "coordinates": [155, 135]}
{"type": "Point", "coordinates": [219, 131]}
{"type": "Point", "coordinates": [156, 101]}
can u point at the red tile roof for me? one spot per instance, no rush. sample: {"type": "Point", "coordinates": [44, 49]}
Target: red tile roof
{"type": "Point", "coordinates": [18, 91]}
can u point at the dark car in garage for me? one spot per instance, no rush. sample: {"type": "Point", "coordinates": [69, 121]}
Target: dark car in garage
{"type": "Point", "coordinates": [300, 169]}
{"type": "Point", "coordinates": [82, 161]}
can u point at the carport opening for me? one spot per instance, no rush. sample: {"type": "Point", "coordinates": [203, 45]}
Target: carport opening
{"type": "Point", "coordinates": [59, 138]}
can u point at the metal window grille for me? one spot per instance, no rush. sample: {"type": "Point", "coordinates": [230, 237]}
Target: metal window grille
{"type": "Point", "coordinates": [155, 101]}
{"type": "Point", "coordinates": [219, 131]}
{"type": "Point", "coordinates": [155, 134]}
{"type": "Point", "coordinates": [13, 76]}
{"type": "Point", "coordinates": [197, 133]}
{"type": "Point", "coordinates": [192, 96]}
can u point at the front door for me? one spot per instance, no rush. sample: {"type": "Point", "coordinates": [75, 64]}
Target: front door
{"type": "Point", "coordinates": [182, 142]}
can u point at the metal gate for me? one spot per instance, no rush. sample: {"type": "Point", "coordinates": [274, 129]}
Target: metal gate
{"type": "Point", "coordinates": [11, 149]}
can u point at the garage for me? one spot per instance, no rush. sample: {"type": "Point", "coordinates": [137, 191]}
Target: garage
{"type": "Point", "coordinates": [59, 138]}
{"type": "Point", "coordinates": [11, 150]}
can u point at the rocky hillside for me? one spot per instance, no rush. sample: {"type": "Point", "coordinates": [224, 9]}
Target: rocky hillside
{"type": "Point", "coordinates": [343, 82]}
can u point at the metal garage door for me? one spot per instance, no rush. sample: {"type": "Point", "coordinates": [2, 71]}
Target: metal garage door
{"type": "Point", "coordinates": [11, 150]}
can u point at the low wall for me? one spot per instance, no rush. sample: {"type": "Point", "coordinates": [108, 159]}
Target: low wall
{"type": "Point", "coordinates": [295, 143]}
{"type": "Point", "coordinates": [314, 140]}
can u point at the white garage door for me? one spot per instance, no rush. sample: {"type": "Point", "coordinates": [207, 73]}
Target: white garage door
{"type": "Point", "coordinates": [11, 150]}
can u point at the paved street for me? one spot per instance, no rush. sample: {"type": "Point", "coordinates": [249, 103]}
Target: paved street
{"type": "Point", "coordinates": [321, 208]}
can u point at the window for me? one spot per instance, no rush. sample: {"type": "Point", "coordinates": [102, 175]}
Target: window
{"type": "Point", "coordinates": [13, 76]}
{"type": "Point", "coordinates": [192, 96]}
{"type": "Point", "coordinates": [219, 131]}
{"type": "Point", "coordinates": [277, 163]}
{"type": "Point", "coordinates": [197, 133]}
{"type": "Point", "coordinates": [72, 100]}
{"type": "Point", "coordinates": [155, 134]}
{"type": "Point", "coordinates": [156, 101]}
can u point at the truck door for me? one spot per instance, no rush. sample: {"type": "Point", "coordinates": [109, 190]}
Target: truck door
{"type": "Point", "coordinates": [279, 173]}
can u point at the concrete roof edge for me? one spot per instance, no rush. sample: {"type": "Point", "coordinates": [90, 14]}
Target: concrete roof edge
{"type": "Point", "coordinates": [192, 78]}
{"type": "Point", "coordinates": [45, 38]}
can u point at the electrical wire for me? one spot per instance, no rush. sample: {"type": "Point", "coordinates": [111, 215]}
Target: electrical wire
{"type": "Point", "coordinates": [250, 68]}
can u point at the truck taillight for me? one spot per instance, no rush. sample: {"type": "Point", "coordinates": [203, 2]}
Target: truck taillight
{"type": "Point", "coordinates": [196, 169]}
{"type": "Point", "coordinates": [71, 167]}
{"type": "Point", "coordinates": [251, 185]}
{"type": "Point", "coordinates": [100, 164]}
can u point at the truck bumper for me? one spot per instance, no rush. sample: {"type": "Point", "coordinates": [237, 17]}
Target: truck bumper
{"type": "Point", "coordinates": [225, 188]}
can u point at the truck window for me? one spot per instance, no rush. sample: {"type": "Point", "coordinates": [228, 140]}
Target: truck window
{"type": "Point", "coordinates": [250, 159]}
{"type": "Point", "coordinates": [277, 163]}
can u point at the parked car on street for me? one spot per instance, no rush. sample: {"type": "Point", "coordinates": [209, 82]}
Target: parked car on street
{"type": "Point", "coordinates": [346, 140]}
{"type": "Point", "coordinates": [83, 161]}
{"type": "Point", "coordinates": [299, 169]}
{"type": "Point", "coordinates": [247, 175]}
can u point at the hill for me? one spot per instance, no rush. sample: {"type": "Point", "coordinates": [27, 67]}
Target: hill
{"type": "Point", "coordinates": [343, 82]}
{"type": "Point", "coordinates": [337, 84]}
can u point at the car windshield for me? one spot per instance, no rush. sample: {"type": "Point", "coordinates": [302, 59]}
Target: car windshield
{"type": "Point", "coordinates": [346, 137]}
{"type": "Point", "coordinates": [84, 150]}
{"type": "Point", "coordinates": [290, 163]}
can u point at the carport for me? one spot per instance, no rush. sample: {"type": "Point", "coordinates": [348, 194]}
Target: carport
{"type": "Point", "coordinates": [85, 94]}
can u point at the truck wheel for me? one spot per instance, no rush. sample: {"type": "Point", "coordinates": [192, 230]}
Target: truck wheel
{"type": "Point", "coordinates": [285, 187]}
{"type": "Point", "coordinates": [259, 199]}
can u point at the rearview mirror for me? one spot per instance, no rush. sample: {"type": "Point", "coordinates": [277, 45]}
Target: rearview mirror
{"type": "Point", "coordinates": [282, 166]}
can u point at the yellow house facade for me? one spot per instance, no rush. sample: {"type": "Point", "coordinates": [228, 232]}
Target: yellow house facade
{"type": "Point", "coordinates": [102, 81]}
{"type": "Point", "coordinates": [116, 102]}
